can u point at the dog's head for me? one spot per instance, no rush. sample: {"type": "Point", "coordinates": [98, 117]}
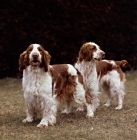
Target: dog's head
{"type": "Point", "coordinates": [90, 51]}
{"type": "Point", "coordinates": [36, 56]}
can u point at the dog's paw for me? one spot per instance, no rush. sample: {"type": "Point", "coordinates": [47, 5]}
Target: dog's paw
{"type": "Point", "coordinates": [90, 115]}
{"type": "Point", "coordinates": [27, 120]}
{"type": "Point", "coordinates": [107, 105]}
{"type": "Point", "coordinates": [41, 125]}
{"type": "Point", "coordinates": [80, 109]}
{"type": "Point", "coordinates": [24, 121]}
{"type": "Point", "coordinates": [65, 111]}
{"type": "Point", "coordinates": [118, 107]}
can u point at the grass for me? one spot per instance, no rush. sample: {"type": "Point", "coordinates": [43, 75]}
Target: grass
{"type": "Point", "coordinates": [108, 124]}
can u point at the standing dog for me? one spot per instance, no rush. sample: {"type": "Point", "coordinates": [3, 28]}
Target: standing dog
{"type": "Point", "coordinates": [104, 75]}
{"type": "Point", "coordinates": [112, 80]}
{"type": "Point", "coordinates": [88, 55]}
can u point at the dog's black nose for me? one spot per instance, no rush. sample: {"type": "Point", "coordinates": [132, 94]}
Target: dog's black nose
{"type": "Point", "coordinates": [35, 55]}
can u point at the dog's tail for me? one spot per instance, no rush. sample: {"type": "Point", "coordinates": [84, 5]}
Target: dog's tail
{"type": "Point", "coordinates": [122, 63]}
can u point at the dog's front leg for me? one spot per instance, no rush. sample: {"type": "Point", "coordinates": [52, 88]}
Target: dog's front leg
{"type": "Point", "coordinates": [49, 117]}
{"type": "Point", "coordinates": [29, 117]}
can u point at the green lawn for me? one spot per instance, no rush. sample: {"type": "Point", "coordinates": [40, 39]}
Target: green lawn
{"type": "Point", "coordinates": [108, 124]}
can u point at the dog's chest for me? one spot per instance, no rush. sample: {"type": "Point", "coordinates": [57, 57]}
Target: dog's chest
{"type": "Point", "coordinates": [37, 83]}
{"type": "Point", "coordinates": [37, 88]}
{"type": "Point", "coordinates": [38, 103]}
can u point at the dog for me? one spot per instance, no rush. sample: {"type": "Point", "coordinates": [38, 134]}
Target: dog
{"type": "Point", "coordinates": [100, 75]}
{"type": "Point", "coordinates": [45, 86]}
{"type": "Point", "coordinates": [112, 80]}
{"type": "Point", "coordinates": [89, 53]}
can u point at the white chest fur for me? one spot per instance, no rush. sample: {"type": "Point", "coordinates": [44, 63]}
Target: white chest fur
{"type": "Point", "coordinates": [37, 87]}
{"type": "Point", "coordinates": [36, 81]}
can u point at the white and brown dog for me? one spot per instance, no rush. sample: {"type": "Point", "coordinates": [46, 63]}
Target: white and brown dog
{"type": "Point", "coordinates": [112, 80]}
{"type": "Point", "coordinates": [45, 86]}
{"type": "Point", "coordinates": [104, 75]}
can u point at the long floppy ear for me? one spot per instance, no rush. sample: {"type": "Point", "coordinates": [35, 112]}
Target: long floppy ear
{"type": "Point", "coordinates": [85, 53]}
{"type": "Point", "coordinates": [81, 53]}
{"type": "Point", "coordinates": [23, 61]}
{"type": "Point", "coordinates": [46, 60]}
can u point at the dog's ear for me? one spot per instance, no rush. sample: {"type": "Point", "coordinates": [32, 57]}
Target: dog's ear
{"type": "Point", "coordinates": [23, 61]}
{"type": "Point", "coordinates": [46, 60]}
{"type": "Point", "coordinates": [85, 52]}
{"type": "Point", "coordinates": [82, 53]}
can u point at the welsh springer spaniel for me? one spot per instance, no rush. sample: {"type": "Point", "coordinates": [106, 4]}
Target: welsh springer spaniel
{"type": "Point", "coordinates": [111, 80]}
{"type": "Point", "coordinates": [97, 74]}
{"type": "Point", "coordinates": [45, 86]}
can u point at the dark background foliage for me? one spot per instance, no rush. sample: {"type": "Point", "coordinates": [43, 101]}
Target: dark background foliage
{"type": "Point", "coordinates": [62, 26]}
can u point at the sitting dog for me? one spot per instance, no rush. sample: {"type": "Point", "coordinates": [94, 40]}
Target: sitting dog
{"type": "Point", "coordinates": [45, 86]}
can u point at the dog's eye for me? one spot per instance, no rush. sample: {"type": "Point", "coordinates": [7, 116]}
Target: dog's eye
{"type": "Point", "coordinates": [40, 50]}
{"type": "Point", "coordinates": [29, 50]}
{"type": "Point", "coordinates": [93, 47]}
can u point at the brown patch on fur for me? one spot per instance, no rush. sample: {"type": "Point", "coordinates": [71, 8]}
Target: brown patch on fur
{"type": "Point", "coordinates": [86, 52]}
{"type": "Point", "coordinates": [103, 67]}
{"type": "Point", "coordinates": [22, 61]}
{"type": "Point", "coordinates": [45, 59]}
{"type": "Point", "coordinates": [122, 63]}
{"type": "Point", "coordinates": [88, 98]}
{"type": "Point", "coordinates": [24, 58]}
{"type": "Point", "coordinates": [119, 65]}
{"type": "Point", "coordinates": [64, 83]}
{"type": "Point", "coordinates": [80, 79]}
{"type": "Point", "coordinates": [122, 75]}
